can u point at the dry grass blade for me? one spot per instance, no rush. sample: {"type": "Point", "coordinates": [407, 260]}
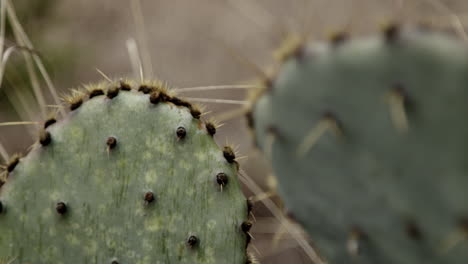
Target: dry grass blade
{"type": "Point", "coordinates": [217, 101]}
{"type": "Point", "coordinates": [34, 80]}
{"type": "Point", "coordinates": [228, 115]}
{"type": "Point", "coordinates": [141, 37]}
{"type": "Point", "coordinates": [3, 153]}
{"type": "Point", "coordinates": [2, 27]}
{"type": "Point", "coordinates": [135, 60]}
{"type": "Point", "coordinates": [23, 40]}
{"type": "Point", "coordinates": [280, 217]}
{"type": "Point", "coordinates": [216, 88]}
{"type": "Point", "coordinates": [21, 101]}
{"type": "Point", "coordinates": [6, 56]}
{"type": "Point", "coordinates": [454, 18]}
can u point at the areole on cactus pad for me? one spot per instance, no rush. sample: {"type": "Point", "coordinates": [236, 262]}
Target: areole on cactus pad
{"type": "Point", "coordinates": [131, 175]}
{"type": "Point", "coordinates": [368, 141]}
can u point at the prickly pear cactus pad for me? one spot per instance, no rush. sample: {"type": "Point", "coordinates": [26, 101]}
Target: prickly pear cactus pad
{"type": "Point", "coordinates": [368, 140]}
{"type": "Point", "coordinates": [130, 176]}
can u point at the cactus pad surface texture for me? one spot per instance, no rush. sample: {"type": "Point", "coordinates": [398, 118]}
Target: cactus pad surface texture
{"type": "Point", "coordinates": [368, 140]}
{"type": "Point", "coordinates": [130, 175]}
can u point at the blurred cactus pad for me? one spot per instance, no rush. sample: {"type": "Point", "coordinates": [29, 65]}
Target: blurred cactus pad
{"type": "Point", "coordinates": [130, 175]}
{"type": "Point", "coordinates": [368, 140]}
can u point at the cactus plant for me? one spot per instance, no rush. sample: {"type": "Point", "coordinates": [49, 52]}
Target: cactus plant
{"type": "Point", "coordinates": [368, 142]}
{"type": "Point", "coordinates": [130, 175]}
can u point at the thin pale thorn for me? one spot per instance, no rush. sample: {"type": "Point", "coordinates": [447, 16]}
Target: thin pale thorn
{"type": "Point", "coordinates": [30, 148]}
{"type": "Point", "coordinates": [256, 250]}
{"type": "Point", "coordinates": [142, 74]}
{"type": "Point", "coordinates": [263, 196]}
{"type": "Point", "coordinates": [232, 114]}
{"type": "Point", "coordinates": [54, 106]}
{"type": "Point", "coordinates": [313, 137]}
{"type": "Point", "coordinates": [4, 153]}
{"type": "Point", "coordinates": [216, 87]}
{"type": "Point", "coordinates": [19, 123]}
{"type": "Point", "coordinates": [253, 216]}
{"type": "Point", "coordinates": [235, 148]}
{"type": "Point", "coordinates": [146, 67]}
{"type": "Point", "coordinates": [135, 58]}
{"type": "Point", "coordinates": [397, 112]}
{"type": "Point", "coordinates": [77, 91]}
{"type": "Point", "coordinates": [217, 101]}
{"type": "Point", "coordinates": [206, 113]}
{"type": "Point", "coordinates": [104, 75]}
{"type": "Point", "coordinates": [241, 158]}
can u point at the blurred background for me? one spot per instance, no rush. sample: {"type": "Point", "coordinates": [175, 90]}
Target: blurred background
{"type": "Point", "coordinates": [191, 43]}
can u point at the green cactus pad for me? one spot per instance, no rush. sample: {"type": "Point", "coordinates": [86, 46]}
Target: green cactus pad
{"type": "Point", "coordinates": [384, 175]}
{"type": "Point", "coordinates": [124, 179]}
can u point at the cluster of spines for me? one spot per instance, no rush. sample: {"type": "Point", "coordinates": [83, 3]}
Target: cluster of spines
{"type": "Point", "coordinates": [158, 94]}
